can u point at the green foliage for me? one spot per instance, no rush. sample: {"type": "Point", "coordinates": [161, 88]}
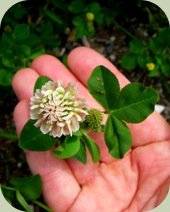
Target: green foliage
{"type": "Point", "coordinates": [129, 61]}
{"type": "Point", "coordinates": [135, 103]}
{"type": "Point", "coordinates": [69, 148]}
{"type": "Point", "coordinates": [22, 201]}
{"type": "Point", "coordinates": [5, 77]}
{"type": "Point", "coordinates": [24, 191]}
{"type": "Point", "coordinates": [30, 187]}
{"type": "Point", "coordinates": [30, 30]}
{"type": "Point", "coordinates": [102, 84]}
{"type": "Point", "coordinates": [155, 50]}
{"type": "Point", "coordinates": [31, 138]}
{"type": "Point", "coordinates": [117, 136]}
{"type": "Point", "coordinates": [92, 147]}
{"type": "Point", "coordinates": [21, 32]}
{"type": "Point", "coordinates": [10, 195]}
{"type": "Point", "coordinates": [40, 82]}
{"type": "Point", "coordinates": [83, 24]}
{"type": "Point", "coordinates": [132, 104]}
{"type": "Point", "coordinates": [17, 50]}
{"type": "Point", "coordinates": [81, 154]}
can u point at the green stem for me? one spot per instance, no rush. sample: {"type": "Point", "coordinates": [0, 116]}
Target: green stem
{"type": "Point", "coordinates": [8, 136]}
{"type": "Point", "coordinates": [42, 206]}
{"type": "Point", "coordinates": [124, 30]}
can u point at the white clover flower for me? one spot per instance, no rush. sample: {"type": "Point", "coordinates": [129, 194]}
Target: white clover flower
{"type": "Point", "coordinates": [57, 110]}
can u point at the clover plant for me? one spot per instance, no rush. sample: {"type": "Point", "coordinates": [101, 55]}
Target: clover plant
{"type": "Point", "coordinates": [61, 121]}
{"type": "Point", "coordinates": [23, 191]}
{"type": "Point", "coordinates": [150, 56]}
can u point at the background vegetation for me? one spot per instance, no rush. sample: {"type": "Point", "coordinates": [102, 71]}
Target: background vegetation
{"type": "Point", "coordinates": [134, 35]}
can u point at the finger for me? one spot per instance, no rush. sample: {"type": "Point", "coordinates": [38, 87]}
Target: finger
{"type": "Point", "coordinates": [23, 83]}
{"type": "Point", "coordinates": [50, 66]}
{"type": "Point", "coordinates": [21, 115]}
{"type": "Point", "coordinates": [158, 197]}
{"type": "Point", "coordinates": [83, 60]}
{"type": "Point", "coordinates": [55, 173]}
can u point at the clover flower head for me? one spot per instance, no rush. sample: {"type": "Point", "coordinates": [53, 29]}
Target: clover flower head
{"type": "Point", "coordinates": [57, 109]}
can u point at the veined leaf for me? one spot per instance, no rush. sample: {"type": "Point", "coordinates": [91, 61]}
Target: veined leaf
{"type": "Point", "coordinates": [81, 154]}
{"type": "Point", "coordinates": [21, 32]}
{"type": "Point", "coordinates": [30, 187]}
{"type": "Point", "coordinates": [9, 193]}
{"type": "Point", "coordinates": [40, 82]}
{"type": "Point", "coordinates": [135, 103]}
{"type": "Point", "coordinates": [68, 148]}
{"type": "Point", "coordinates": [33, 139]}
{"type": "Point", "coordinates": [23, 202]}
{"type": "Point", "coordinates": [104, 87]}
{"type": "Point", "coordinates": [117, 137]}
{"type": "Point", "coordinates": [14, 198]}
{"type": "Point", "coordinates": [129, 61]}
{"type": "Point", "coordinates": [92, 147]}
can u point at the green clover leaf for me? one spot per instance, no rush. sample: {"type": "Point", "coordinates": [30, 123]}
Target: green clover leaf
{"type": "Point", "coordinates": [117, 136]}
{"type": "Point", "coordinates": [132, 104]}
{"type": "Point", "coordinates": [135, 103]}
{"type": "Point", "coordinates": [31, 138]}
{"type": "Point", "coordinates": [68, 148]}
{"type": "Point", "coordinates": [104, 87]}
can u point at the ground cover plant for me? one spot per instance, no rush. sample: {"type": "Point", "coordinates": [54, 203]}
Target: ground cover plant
{"type": "Point", "coordinates": [138, 44]}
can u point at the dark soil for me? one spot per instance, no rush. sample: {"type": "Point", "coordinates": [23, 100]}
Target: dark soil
{"type": "Point", "coordinates": [12, 159]}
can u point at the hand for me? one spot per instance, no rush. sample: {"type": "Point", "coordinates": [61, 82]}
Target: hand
{"type": "Point", "coordinates": [138, 182]}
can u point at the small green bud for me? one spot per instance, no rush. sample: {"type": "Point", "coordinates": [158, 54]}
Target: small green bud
{"type": "Point", "coordinates": [67, 30]}
{"type": "Point", "coordinates": [90, 16]}
{"type": "Point", "coordinates": [93, 120]}
{"type": "Point", "coordinates": [150, 66]}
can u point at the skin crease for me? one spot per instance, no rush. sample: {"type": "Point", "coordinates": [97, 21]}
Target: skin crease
{"type": "Point", "coordinates": [136, 183]}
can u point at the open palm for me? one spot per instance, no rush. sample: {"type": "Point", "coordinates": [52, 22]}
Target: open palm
{"type": "Point", "coordinates": [138, 182]}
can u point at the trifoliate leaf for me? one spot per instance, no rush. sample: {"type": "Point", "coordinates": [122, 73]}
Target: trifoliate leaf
{"type": "Point", "coordinates": [92, 147]}
{"type": "Point", "coordinates": [68, 148]}
{"type": "Point", "coordinates": [33, 139]}
{"type": "Point", "coordinates": [135, 103]}
{"type": "Point", "coordinates": [117, 137]}
{"type": "Point", "coordinates": [104, 87]}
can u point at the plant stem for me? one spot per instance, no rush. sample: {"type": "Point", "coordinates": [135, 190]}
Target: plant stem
{"type": "Point", "coordinates": [124, 30]}
{"type": "Point", "coordinates": [8, 136]}
{"type": "Point", "coordinates": [42, 206]}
